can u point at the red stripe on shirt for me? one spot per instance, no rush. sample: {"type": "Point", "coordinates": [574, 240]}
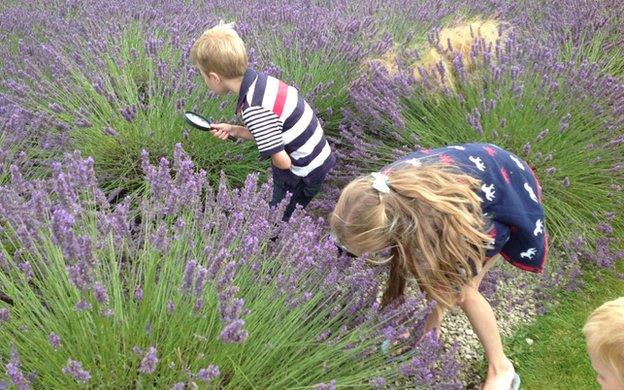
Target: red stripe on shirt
{"type": "Point", "coordinates": [278, 107]}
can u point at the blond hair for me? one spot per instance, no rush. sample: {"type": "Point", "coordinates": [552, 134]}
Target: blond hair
{"type": "Point", "coordinates": [604, 333]}
{"type": "Point", "coordinates": [431, 219]}
{"type": "Point", "coordinates": [220, 50]}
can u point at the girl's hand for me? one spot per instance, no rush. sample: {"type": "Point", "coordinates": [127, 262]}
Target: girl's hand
{"type": "Point", "coordinates": [222, 130]}
{"type": "Point", "coordinates": [386, 345]}
{"type": "Point", "coordinates": [432, 325]}
{"type": "Point", "coordinates": [434, 319]}
{"type": "Point", "coordinates": [436, 333]}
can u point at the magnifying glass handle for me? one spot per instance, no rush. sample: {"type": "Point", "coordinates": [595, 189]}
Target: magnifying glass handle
{"type": "Point", "coordinates": [230, 137]}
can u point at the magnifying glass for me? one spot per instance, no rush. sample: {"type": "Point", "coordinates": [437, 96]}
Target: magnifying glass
{"type": "Point", "coordinates": [202, 123]}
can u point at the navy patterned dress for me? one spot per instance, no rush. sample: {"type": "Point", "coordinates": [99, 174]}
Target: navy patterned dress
{"type": "Point", "coordinates": [511, 198]}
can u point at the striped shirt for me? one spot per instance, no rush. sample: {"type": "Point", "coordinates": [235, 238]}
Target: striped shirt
{"type": "Point", "coordinates": [280, 119]}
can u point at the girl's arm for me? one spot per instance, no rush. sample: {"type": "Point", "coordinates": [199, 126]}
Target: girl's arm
{"type": "Point", "coordinates": [434, 319]}
{"type": "Point", "coordinates": [483, 321]}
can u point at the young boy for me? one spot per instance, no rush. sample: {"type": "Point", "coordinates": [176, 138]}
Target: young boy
{"type": "Point", "coordinates": [276, 117]}
{"type": "Point", "coordinates": [604, 332]}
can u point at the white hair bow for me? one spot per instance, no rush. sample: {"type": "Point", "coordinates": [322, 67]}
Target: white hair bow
{"type": "Point", "coordinates": [380, 182]}
{"type": "Point", "coordinates": [223, 24]}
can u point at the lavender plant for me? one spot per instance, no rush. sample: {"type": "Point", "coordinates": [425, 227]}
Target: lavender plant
{"type": "Point", "coordinates": [23, 142]}
{"type": "Point", "coordinates": [189, 288]}
{"type": "Point", "coordinates": [120, 83]}
{"type": "Point", "coordinates": [180, 284]}
{"type": "Point", "coordinates": [522, 106]}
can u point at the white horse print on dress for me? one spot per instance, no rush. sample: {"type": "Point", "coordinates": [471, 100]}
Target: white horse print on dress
{"type": "Point", "coordinates": [414, 162]}
{"type": "Point", "coordinates": [477, 162]}
{"type": "Point", "coordinates": [488, 191]}
{"type": "Point", "coordinates": [539, 227]}
{"type": "Point", "coordinates": [529, 253]}
{"type": "Point", "coordinates": [518, 162]}
{"type": "Point", "coordinates": [529, 189]}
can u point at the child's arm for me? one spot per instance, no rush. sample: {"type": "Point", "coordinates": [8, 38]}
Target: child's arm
{"type": "Point", "coordinates": [222, 130]}
{"type": "Point", "coordinates": [434, 319]}
{"type": "Point", "coordinates": [483, 321]}
{"type": "Point", "coordinates": [241, 132]}
{"type": "Point", "coordinates": [280, 159]}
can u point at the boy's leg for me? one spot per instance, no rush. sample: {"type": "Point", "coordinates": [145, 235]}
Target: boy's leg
{"type": "Point", "coordinates": [279, 192]}
{"type": "Point", "coordinates": [296, 198]}
{"type": "Point", "coordinates": [302, 195]}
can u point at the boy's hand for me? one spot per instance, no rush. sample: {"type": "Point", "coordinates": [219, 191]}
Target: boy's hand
{"type": "Point", "coordinates": [222, 130]}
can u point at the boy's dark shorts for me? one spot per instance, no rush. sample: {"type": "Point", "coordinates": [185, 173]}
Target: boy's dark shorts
{"type": "Point", "coordinates": [302, 194]}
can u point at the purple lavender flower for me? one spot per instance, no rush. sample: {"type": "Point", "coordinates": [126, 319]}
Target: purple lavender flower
{"type": "Point", "coordinates": [100, 293]}
{"type": "Point", "coordinates": [170, 307]}
{"type": "Point", "coordinates": [199, 304]}
{"type": "Point", "coordinates": [228, 274]}
{"type": "Point", "coordinates": [149, 362]}
{"type": "Point", "coordinates": [82, 305]}
{"type": "Point", "coordinates": [564, 124]}
{"type": "Point", "coordinates": [4, 264]}
{"type": "Point", "coordinates": [83, 123]}
{"type": "Point", "coordinates": [129, 113]}
{"type": "Point", "coordinates": [378, 383]}
{"type": "Point", "coordinates": [110, 132]}
{"type": "Point", "coordinates": [542, 135]}
{"type": "Point", "coordinates": [209, 373]}
{"type": "Point", "coordinates": [200, 283]}
{"type": "Point", "coordinates": [15, 373]}
{"type": "Point", "coordinates": [4, 315]}
{"type": "Point", "coordinates": [178, 227]}
{"type": "Point", "coordinates": [526, 148]}
{"type": "Point", "coordinates": [54, 340]}
{"type": "Point", "coordinates": [329, 386]}
{"type": "Point", "coordinates": [234, 333]}
{"type": "Point", "coordinates": [26, 270]}
{"type": "Point", "coordinates": [75, 370]}
{"type": "Point", "coordinates": [230, 309]}
{"type": "Point", "coordinates": [178, 386]}
{"type": "Point", "coordinates": [605, 228]}
{"type": "Point", "coordinates": [56, 108]}
{"type": "Point", "coordinates": [189, 275]}
{"type": "Point", "coordinates": [138, 294]}
{"type": "Point", "coordinates": [160, 238]}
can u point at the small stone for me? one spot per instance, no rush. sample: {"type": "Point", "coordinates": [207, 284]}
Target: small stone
{"type": "Point", "coordinates": [529, 341]}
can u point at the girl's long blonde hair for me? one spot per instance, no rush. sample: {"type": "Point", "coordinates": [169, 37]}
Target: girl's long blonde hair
{"type": "Point", "coordinates": [431, 219]}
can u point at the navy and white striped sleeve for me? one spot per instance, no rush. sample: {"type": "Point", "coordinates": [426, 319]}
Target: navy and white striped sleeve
{"type": "Point", "coordinates": [266, 129]}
